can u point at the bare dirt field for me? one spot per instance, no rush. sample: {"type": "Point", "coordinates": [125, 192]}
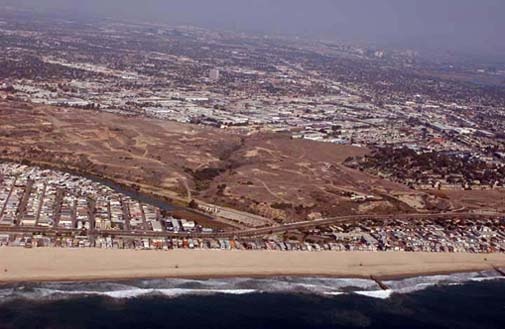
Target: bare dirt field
{"type": "Point", "coordinates": [478, 200]}
{"type": "Point", "coordinates": [270, 175]}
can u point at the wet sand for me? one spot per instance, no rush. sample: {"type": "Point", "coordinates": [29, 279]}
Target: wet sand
{"type": "Point", "coordinates": [59, 264]}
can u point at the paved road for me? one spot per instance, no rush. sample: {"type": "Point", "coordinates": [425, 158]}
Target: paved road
{"type": "Point", "coordinates": [24, 201]}
{"type": "Point", "coordinates": [245, 233]}
{"type": "Point", "coordinates": [41, 204]}
{"type": "Point", "coordinates": [353, 218]}
{"type": "Point", "coordinates": [13, 186]}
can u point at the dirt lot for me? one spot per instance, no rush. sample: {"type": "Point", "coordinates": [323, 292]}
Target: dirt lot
{"type": "Point", "coordinates": [478, 200]}
{"type": "Point", "coordinates": [269, 175]}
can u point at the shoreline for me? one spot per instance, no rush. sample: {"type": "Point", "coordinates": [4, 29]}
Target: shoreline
{"type": "Point", "coordinates": [122, 279]}
{"type": "Point", "coordinates": [54, 264]}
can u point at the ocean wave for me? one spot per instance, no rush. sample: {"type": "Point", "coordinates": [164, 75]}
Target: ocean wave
{"type": "Point", "coordinates": [381, 294]}
{"type": "Point", "coordinates": [409, 285]}
{"type": "Point", "coordinates": [334, 293]}
{"type": "Point", "coordinates": [172, 288]}
{"type": "Point", "coordinates": [488, 278]}
{"type": "Point", "coordinates": [54, 294]}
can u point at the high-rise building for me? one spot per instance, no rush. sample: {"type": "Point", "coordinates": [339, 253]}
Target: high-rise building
{"type": "Point", "coordinates": [214, 74]}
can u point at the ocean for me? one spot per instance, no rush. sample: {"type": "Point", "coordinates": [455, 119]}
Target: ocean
{"type": "Point", "coordinates": [467, 300]}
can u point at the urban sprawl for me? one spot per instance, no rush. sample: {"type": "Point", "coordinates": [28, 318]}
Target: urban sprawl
{"type": "Point", "coordinates": [424, 131]}
{"type": "Point", "coordinates": [47, 208]}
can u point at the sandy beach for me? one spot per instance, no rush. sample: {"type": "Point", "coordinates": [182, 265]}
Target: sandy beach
{"type": "Point", "coordinates": [48, 264]}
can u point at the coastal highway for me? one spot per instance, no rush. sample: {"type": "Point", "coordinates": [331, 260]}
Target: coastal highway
{"type": "Point", "coordinates": [243, 233]}
{"type": "Point", "coordinates": [353, 218]}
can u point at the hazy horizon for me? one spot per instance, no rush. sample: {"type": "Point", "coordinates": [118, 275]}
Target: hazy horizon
{"type": "Point", "coordinates": [447, 25]}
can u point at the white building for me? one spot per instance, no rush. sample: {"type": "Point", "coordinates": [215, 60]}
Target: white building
{"type": "Point", "coordinates": [214, 74]}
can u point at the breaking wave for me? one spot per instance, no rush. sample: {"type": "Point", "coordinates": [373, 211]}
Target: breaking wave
{"type": "Point", "coordinates": [172, 288]}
